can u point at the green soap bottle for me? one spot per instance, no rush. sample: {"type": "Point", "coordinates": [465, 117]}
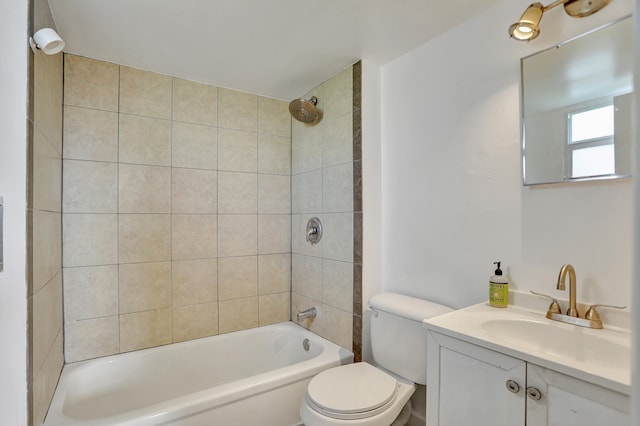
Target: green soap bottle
{"type": "Point", "coordinates": [498, 289]}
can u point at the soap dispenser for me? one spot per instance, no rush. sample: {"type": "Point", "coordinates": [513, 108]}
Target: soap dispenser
{"type": "Point", "coordinates": [498, 289]}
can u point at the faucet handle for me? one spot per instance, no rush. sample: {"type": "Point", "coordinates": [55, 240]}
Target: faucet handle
{"type": "Point", "coordinates": [593, 315]}
{"type": "Point", "coordinates": [554, 307]}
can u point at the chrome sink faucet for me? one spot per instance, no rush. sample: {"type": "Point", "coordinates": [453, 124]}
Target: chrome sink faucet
{"type": "Point", "coordinates": [572, 311]}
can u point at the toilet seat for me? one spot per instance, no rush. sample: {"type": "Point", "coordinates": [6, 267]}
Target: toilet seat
{"type": "Point", "coordinates": [351, 392]}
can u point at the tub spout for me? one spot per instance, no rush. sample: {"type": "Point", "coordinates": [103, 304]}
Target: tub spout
{"type": "Point", "coordinates": [307, 313]}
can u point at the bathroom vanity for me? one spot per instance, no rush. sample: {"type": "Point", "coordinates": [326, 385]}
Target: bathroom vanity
{"type": "Point", "coordinates": [513, 366]}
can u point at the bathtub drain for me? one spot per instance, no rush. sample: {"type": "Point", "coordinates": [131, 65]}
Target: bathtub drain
{"type": "Point", "coordinates": [306, 344]}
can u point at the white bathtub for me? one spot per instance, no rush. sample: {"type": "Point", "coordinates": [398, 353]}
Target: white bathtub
{"type": "Point", "coordinates": [253, 377]}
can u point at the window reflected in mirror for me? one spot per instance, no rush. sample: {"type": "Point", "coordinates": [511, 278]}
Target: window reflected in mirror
{"type": "Point", "coordinates": [590, 142]}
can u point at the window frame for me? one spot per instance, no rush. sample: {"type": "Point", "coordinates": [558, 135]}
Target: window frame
{"type": "Point", "coordinates": [570, 146]}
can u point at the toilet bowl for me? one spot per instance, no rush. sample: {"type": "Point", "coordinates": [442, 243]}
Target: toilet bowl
{"type": "Point", "coordinates": [358, 394]}
{"type": "Point", "coordinates": [361, 394]}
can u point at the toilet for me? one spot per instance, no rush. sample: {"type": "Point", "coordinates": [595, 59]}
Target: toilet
{"type": "Point", "coordinates": [362, 394]}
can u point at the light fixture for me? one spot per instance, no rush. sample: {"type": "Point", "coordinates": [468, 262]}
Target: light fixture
{"type": "Point", "coordinates": [527, 28]}
{"type": "Point", "coordinates": [46, 40]}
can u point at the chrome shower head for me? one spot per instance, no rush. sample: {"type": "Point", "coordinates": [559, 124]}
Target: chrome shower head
{"type": "Point", "coordinates": [304, 110]}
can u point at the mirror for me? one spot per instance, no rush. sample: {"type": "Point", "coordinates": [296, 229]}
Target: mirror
{"type": "Point", "coordinates": [577, 108]}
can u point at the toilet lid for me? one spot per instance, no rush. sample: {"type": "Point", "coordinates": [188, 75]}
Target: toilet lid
{"type": "Point", "coordinates": [352, 391]}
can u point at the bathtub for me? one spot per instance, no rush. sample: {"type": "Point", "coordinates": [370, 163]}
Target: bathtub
{"type": "Point", "coordinates": [254, 377]}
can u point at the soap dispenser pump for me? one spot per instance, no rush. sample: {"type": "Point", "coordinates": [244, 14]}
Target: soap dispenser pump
{"type": "Point", "coordinates": [498, 288]}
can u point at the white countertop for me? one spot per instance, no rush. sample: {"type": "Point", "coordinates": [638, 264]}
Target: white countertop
{"type": "Point", "coordinates": [601, 357]}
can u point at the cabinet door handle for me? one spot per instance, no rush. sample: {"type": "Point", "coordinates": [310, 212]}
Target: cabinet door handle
{"type": "Point", "coordinates": [513, 386]}
{"type": "Point", "coordinates": [534, 393]}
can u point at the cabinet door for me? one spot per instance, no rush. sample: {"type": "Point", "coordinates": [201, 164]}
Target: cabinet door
{"type": "Point", "coordinates": [567, 401]}
{"type": "Point", "coordinates": [467, 384]}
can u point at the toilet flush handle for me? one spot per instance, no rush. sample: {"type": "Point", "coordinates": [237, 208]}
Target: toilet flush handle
{"type": "Point", "coordinates": [373, 311]}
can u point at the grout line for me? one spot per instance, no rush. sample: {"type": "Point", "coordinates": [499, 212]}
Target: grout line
{"type": "Point", "coordinates": [118, 214]}
{"type": "Point", "coordinates": [171, 306]}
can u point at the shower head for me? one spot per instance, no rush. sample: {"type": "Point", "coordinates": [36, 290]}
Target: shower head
{"type": "Point", "coordinates": [304, 110]}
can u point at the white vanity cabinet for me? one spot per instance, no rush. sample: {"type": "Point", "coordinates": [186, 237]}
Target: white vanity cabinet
{"type": "Point", "coordinates": [471, 385]}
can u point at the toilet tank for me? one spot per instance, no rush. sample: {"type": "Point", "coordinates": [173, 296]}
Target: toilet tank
{"type": "Point", "coordinates": [398, 338]}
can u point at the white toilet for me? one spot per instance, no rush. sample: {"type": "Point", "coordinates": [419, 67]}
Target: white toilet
{"type": "Point", "coordinates": [361, 394]}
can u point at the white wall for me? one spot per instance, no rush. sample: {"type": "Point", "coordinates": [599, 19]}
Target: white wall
{"type": "Point", "coordinates": [452, 198]}
{"type": "Point", "coordinates": [13, 151]}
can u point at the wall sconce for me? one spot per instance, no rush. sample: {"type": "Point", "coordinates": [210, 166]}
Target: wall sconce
{"type": "Point", "coordinates": [528, 27]}
{"type": "Point", "coordinates": [46, 40]}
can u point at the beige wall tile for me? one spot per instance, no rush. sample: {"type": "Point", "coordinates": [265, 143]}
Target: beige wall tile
{"type": "Point", "coordinates": [237, 193]}
{"type": "Point", "coordinates": [194, 236]}
{"type": "Point", "coordinates": [306, 192]}
{"type": "Point", "coordinates": [274, 194]}
{"type": "Point", "coordinates": [238, 314]}
{"type": "Point", "coordinates": [90, 187]}
{"type": "Point", "coordinates": [274, 117]}
{"type": "Point", "coordinates": [337, 140]}
{"type": "Point", "coordinates": [47, 174]}
{"type": "Point", "coordinates": [90, 292]}
{"type": "Point", "coordinates": [145, 329]}
{"type": "Point", "coordinates": [337, 326]}
{"type": "Point", "coordinates": [194, 281]}
{"type": "Point", "coordinates": [274, 154]}
{"type": "Point", "coordinates": [306, 276]}
{"type": "Point", "coordinates": [201, 227]}
{"type": "Point", "coordinates": [144, 286]}
{"type": "Point", "coordinates": [45, 224]}
{"type": "Point", "coordinates": [337, 284]}
{"type": "Point", "coordinates": [194, 191]}
{"type": "Point", "coordinates": [89, 239]}
{"type": "Point", "coordinates": [144, 140]}
{"type": "Point", "coordinates": [144, 237]}
{"type": "Point", "coordinates": [90, 134]}
{"type": "Point", "coordinates": [328, 145]}
{"type": "Point", "coordinates": [91, 338]}
{"type": "Point", "coordinates": [337, 188]}
{"type": "Point", "coordinates": [306, 149]}
{"type": "Point", "coordinates": [237, 151]}
{"type": "Point", "coordinates": [237, 110]}
{"type": "Point", "coordinates": [273, 308]}
{"type": "Point", "coordinates": [47, 253]}
{"type": "Point", "coordinates": [45, 381]}
{"type": "Point", "coordinates": [338, 236]}
{"type": "Point", "coordinates": [47, 320]}
{"type": "Point", "coordinates": [194, 146]}
{"type": "Point", "coordinates": [144, 189]}
{"type": "Point", "coordinates": [237, 235]}
{"type": "Point", "coordinates": [195, 102]}
{"type": "Point", "coordinates": [338, 94]}
{"type": "Point", "coordinates": [274, 234]}
{"type": "Point", "coordinates": [47, 97]}
{"type": "Point", "coordinates": [237, 277]}
{"type": "Point", "coordinates": [90, 83]}
{"type": "Point", "coordinates": [195, 321]}
{"type": "Point", "coordinates": [274, 273]}
{"type": "Point", "coordinates": [301, 303]}
{"type": "Point", "coordinates": [145, 93]}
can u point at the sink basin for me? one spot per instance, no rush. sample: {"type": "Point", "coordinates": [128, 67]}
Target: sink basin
{"type": "Point", "coordinates": [569, 342]}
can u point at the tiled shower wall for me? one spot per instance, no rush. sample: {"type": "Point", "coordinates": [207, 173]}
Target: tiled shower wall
{"type": "Point", "coordinates": [176, 209]}
{"type": "Point", "coordinates": [326, 183]}
{"type": "Point", "coordinates": [44, 222]}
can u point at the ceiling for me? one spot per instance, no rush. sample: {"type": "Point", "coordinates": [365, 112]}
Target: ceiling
{"type": "Point", "coordinates": [275, 48]}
